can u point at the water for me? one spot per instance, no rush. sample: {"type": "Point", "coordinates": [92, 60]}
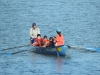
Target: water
{"type": "Point", "coordinates": [79, 21]}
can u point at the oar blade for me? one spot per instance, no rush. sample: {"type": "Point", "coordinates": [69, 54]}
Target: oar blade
{"type": "Point", "coordinates": [93, 49]}
{"type": "Point", "coordinates": [85, 48]}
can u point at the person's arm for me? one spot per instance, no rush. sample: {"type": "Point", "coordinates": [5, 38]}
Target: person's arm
{"type": "Point", "coordinates": [31, 33]}
{"type": "Point", "coordinates": [38, 30]}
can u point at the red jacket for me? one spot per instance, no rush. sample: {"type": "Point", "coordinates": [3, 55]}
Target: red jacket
{"type": "Point", "coordinates": [38, 42]}
{"type": "Point", "coordinates": [45, 41]}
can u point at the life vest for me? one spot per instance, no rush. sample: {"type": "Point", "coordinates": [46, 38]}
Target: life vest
{"type": "Point", "coordinates": [38, 42]}
{"type": "Point", "coordinates": [60, 40]}
{"type": "Point", "coordinates": [45, 41]}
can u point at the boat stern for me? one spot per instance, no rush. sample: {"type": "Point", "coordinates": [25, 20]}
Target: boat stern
{"type": "Point", "coordinates": [62, 50]}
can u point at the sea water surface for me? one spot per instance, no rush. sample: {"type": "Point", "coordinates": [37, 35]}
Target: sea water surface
{"type": "Point", "coordinates": [79, 21]}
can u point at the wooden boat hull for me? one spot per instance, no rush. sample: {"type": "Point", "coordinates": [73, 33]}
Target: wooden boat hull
{"type": "Point", "coordinates": [59, 51]}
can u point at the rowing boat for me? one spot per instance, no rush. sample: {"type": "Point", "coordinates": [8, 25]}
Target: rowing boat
{"type": "Point", "coordinates": [59, 51]}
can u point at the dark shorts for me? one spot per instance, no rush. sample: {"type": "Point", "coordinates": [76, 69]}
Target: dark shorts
{"type": "Point", "coordinates": [32, 40]}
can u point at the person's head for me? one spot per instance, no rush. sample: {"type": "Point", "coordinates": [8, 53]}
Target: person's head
{"type": "Point", "coordinates": [34, 25]}
{"type": "Point", "coordinates": [58, 32]}
{"type": "Point", "coordinates": [53, 37]}
{"type": "Point", "coordinates": [38, 36]}
{"type": "Point", "coordinates": [45, 37]}
{"type": "Point", "coordinates": [50, 39]}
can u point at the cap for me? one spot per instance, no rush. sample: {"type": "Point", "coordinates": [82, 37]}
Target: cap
{"type": "Point", "coordinates": [34, 24]}
{"type": "Point", "coordinates": [58, 30]}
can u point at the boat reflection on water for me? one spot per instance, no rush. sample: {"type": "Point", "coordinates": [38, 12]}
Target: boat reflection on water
{"type": "Point", "coordinates": [59, 64]}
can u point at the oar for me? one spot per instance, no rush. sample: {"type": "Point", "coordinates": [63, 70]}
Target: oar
{"type": "Point", "coordinates": [16, 52]}
{"type": "Point", "coordinates": [15, 47]}
{"type": "Point", "coordinates": [84, 48]}
{"type": "Point", "coordinates": [19, 51]}
{"type": "Point", "coordinates": [12, 53]}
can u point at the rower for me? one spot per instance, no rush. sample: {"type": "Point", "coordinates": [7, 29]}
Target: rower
{"type": "Point", "coordinates": [59, 41]}
{"type": "Point", "coordinates": [38, 41]}
{"type": "Point", "coordinates": [45, 41]}
{"type": "Point", "coordinates": [33, 32]}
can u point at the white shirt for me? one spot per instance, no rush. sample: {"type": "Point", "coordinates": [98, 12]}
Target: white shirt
{"type": "Point", "coordinates": [34, 32]}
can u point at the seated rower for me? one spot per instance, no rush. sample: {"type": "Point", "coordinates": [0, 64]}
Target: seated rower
{"type": "Point", "coordinates": [38, 41]}
{"type": "Point", "coordinates": [51, 42]}
{"type": "Point", "coordinates": [45, 41]}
